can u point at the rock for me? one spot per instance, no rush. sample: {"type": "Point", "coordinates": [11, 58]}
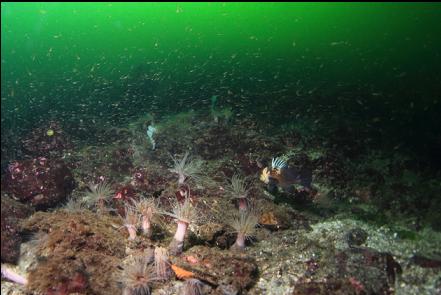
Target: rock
{"type": "Point", "coordinates": [426, 262]}
{"type": "Point", "coordinates": [11, 214]}
{"type": "Point", "coordinates": [338, 287]}
{"type": "Point", "coordinates": [124, 195]}
{"type": "Point", "coordinates": [375, 271]}
{"type": "Point", "coordinates": [121, 161]}
{"type": "Point", "coordinates": [80, 252]}
{"type": "Point", "coordinates": [226, 290]}
{"type": "Point", "coordinates": [220, 268]}
{"type": "Point", "coordinates": [41, 182]}
{"type": "Point", "coordinates": [209, 232]}
{"type": "Point", "coordinates": [152, 180]}
{"type": "Point", "coordinates": [60, 279]}
{"type": "Point", "coordinates": [47, 141]}
{"type": "Point", "coordinates": [356, 237]}
{"type": "Point", "coordinates": [140, 179]}
{"type": "Point", "coordinates": [278, 217]}
{"type": "Point", "coordinates": [78, 231]}
{"type": "Point", "coordinates": [10, 288]}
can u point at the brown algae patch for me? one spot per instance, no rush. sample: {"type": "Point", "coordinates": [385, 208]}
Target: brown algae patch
{"type": "Point", "coordinates": [79, 252]}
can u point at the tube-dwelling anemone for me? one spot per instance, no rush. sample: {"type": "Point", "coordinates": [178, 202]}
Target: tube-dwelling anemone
{"type": "Point", "coordinates": [137, 275]}
{"type": "Point", "coordinates": [98, 196]}
{"type": "Point", "coordinates": [13, 276]}
{"type": "Point", "coordinates": [75, 205]}
{"type": "Point", "coordinates": [184, 213]}
{"type": "Point", "coordinates": [187, 168]}
{"type": "Point", "coordinates": [147, 208]}
{"type": "Point", "coordinates": [162, 264]}
{"type": "Point", "coordinates": [131, 221]}
{"type": "Point", "coordinates": [192, 287]}
{"type": "Point", "coordinates": [244, 224]}
{"type": "Point", "coordinates": [238, 188]}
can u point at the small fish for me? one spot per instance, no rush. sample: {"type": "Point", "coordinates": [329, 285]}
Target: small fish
{"type": "Point", "coordinates": [286, 177]}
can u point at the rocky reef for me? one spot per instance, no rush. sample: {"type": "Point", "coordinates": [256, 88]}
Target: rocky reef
{"type": "Point", "coordinates": [118, 217]}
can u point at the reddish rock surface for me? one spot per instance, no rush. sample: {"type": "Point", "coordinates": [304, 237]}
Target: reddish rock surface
{"type": "Point", "coordinates": [151, 181]}
{"type": "Point", "coordinates": [41, 182]}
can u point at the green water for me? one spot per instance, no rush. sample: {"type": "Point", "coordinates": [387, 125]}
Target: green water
{"type": "Point", "coordinates": [372, 67]}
